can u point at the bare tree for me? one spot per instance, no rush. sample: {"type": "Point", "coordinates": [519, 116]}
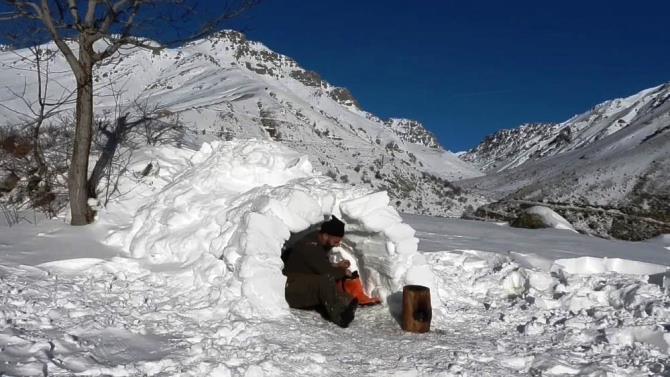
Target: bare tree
{"type": "Point", "coordinates": [32, 118]}
{"type": "Point", "coordinates": [110, 25]}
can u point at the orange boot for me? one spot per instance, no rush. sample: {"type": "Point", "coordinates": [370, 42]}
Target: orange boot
{"type": "Point", "coordinates": [354, 287]}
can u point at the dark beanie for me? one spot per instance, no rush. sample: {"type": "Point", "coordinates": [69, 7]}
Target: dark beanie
{"type": "Point", "coordinates": [334, 227]}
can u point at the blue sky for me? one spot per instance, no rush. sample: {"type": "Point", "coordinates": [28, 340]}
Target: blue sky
{"type": "Point", "coordinates": [466, 69]}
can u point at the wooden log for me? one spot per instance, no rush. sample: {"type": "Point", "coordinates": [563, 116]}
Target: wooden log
{"type": "Point", "coordinates": [416, 309]}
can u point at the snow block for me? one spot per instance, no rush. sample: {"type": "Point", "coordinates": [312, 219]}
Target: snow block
{"type": "Point", "coordinates": [359, 207]}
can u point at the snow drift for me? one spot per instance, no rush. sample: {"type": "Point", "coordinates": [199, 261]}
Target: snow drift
{"type": "Point", "coordinates": [224, 219]}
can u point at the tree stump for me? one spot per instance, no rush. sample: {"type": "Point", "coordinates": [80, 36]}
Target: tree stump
{"type": "Point", "coordinates": [416, 309]}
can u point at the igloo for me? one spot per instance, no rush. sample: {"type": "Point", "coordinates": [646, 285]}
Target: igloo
{"type": "Point", "coordinates": [226, 217]}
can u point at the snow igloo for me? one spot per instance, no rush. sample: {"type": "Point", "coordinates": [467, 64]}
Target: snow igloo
{"type": "Point", "coordinates": [224, 219]}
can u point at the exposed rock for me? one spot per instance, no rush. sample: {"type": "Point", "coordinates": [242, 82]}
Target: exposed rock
{"type": "Point", "coordinates": [309, 78]}
{"type": "Point", "coordinates": [260, 68]}
{"type": "Point", "coordinates": [529, 221]}
{"type": "Point", "coordinates": [537, 217]}
{"type": "Point", "coordinates": [344, 97]}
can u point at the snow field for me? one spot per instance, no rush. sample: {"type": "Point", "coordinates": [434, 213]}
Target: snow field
{"type": "Point", "coordinates": [194, 289]}
{"type": "Point", "coordinates": [120, 318]}
{"type": "Point", "coordinates": [591, 323]}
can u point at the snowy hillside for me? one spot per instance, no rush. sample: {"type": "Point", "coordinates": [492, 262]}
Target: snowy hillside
{"type": "Point", "coordinates": [607, 171]}
{"type": "Point", "coordinates": [182, 278]}
{"type": "Point", "coordinates": [226, 87]}
{"type": "Point", "coordinates": [508, 148]}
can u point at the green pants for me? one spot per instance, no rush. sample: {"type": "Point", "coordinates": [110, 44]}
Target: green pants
{"type": "Point", "coordinates": [306, 291]}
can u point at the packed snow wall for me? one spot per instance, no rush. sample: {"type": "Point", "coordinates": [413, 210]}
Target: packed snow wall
{"type": "Point", "coordinates": [226, 216]}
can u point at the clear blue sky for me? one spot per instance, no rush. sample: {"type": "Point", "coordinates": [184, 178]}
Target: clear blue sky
{"type": "Point", "coordinates": [466, 69]}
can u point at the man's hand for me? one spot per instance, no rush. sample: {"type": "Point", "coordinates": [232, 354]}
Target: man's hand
{"type": "Point", "coordinates": [343, 264]}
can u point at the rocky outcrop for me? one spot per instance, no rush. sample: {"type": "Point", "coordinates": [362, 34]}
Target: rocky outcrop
{"type": "Point", "coordinates": [412, 131]}
{"type": "Point", "coordinates": [308, 78]}
{"type": "Point", "coordinates": [344, 97]}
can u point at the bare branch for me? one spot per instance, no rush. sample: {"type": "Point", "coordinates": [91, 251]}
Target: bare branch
{"type": "Point", "coordinates": [23, 99]}
{"type": "Point", "coordinates": [117, 43]}
{"type": "Point", "coordinates": [45, 15]}
{"type": "Point", "coordinates": [229, 12]}
{"type": "Point", "coordinates": [90, 13]}
{"type": "Point", "coordinates": [74, 11]}
{"type": "Point", "coordinates": [113, 11]}
{"type": "Point", "coordinates": [8, 16]}
{"type": "Point", "coordinates": [111, 18]}
{"type": "Point", "coordinates": [14, 110]}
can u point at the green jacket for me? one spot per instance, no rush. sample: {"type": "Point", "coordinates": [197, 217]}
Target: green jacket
{"type": "Point", "coordinates": [308, 257]}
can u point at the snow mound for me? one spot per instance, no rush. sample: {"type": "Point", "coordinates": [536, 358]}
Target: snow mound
{"type": "Point", "coordinates": [544, 217]}
{"type": "Point", "coordinates": [224, 219]}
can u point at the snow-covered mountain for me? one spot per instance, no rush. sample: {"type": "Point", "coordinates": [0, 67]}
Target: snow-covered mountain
{"type": "Point", "coordinates": [607, 170]}
{"type": "Point", "coordinates": [227, 87]}
{"type": "Point", "coordinates": [510, 148]}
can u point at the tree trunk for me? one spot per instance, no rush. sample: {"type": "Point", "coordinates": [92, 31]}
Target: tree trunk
{"type": "Point", "coordinates": [38, 153]}
{"type": "Point", "coordinates": [82, 214]}
{"type": "Point", "coordinates": [416, 309]}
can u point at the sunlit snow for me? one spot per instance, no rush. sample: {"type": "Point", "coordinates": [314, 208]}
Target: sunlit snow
{"type": "Point", "coordinates": [182, 278]}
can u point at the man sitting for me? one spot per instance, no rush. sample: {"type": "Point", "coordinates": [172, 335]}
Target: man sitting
{"type": "Point", "coordinates": [312, 281]}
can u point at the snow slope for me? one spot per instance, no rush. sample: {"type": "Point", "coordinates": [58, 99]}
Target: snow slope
{"type": "Point", "coordinates": [227, 87]}
{"type": "Point", "coordinates": [181, 279]}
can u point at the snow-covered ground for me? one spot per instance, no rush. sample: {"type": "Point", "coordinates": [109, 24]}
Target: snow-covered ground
{"type": "Point", "coordinates": [181, 278]}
